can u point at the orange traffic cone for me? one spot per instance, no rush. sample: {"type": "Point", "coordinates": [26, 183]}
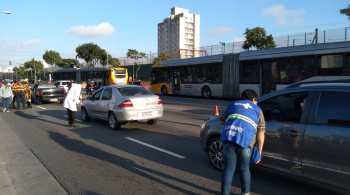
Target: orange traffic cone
{"type": "Point", "coordinates": [216, 111]}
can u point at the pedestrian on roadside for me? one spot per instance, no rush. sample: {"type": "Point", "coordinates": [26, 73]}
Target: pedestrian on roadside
{"type": "Point", "coordinates": [6, 95]}
{"type": "Point", "coordinates": [72, 99]}
{"type": "Point", "coordinates": [19, 95]}
{"type": "Point", "coordinates": [242, 135]}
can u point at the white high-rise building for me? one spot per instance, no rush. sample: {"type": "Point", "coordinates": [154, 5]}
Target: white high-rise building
{"type": "Point", "coordinates": [178, 34]}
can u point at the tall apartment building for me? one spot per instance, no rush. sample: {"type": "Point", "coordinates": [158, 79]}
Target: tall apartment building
{"type": "Point", "coordinates": [178, 34]}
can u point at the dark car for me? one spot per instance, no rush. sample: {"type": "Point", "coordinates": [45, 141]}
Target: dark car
{"type": "Point", "coordinates": [48, 93]}
{"type": "Point", "coordinates": [307, 134]}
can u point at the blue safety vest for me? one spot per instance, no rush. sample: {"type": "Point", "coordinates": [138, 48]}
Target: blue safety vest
{"type": "Point", "coordinates": [241, 121]}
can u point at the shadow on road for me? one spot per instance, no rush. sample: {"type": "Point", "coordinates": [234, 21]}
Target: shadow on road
{"type": "Point", "coordinates": [29, 116]}
{"type": "Point", "coordinates": [80, 147]}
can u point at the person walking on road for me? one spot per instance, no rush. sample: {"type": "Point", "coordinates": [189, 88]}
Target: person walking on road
{"type": "Point", "coordinates": [6, 96]}
{"type": "Point", "coordinates": [72, 99]}
{"type": "Point", "coordinates": [242, 135]}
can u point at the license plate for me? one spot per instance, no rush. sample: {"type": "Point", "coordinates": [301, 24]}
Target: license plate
{"type": "Point", "coordinates": [147, 114]}
{"type": "Point", "coordinates": [54, 99]}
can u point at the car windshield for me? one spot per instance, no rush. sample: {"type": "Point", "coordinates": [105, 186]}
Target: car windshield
{"type": "Point", "coordinates": [134, 91]}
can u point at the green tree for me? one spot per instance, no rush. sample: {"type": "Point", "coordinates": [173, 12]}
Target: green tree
{"type": "Point", "coordinates": [68, 63]}
{"type": "Point", "coordinates": [161, 57]}
{"type": "Point", "coordinates": [134, 54]}
{"type": "Point", "coordinates": [52, 57]}
{"type": "Point", "coordinates": [92, 54]}
{"type": "Point", "coordinates": [346, 11]}
{"type": "Point", "coordinates": [20, 72]}
{"type": "Point", "coordinates": [113, 61]}
{"type": "Point", "coordinates": [256, 37]}
{"type": "Point", "coordinates": [34, 67]}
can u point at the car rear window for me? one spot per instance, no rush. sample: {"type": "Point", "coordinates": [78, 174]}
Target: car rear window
{"type": "Point", "coordinates": [133, 91]}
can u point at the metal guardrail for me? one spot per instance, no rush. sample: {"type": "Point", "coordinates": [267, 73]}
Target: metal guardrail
{"type": "Point", "coordinates": [307, 38]}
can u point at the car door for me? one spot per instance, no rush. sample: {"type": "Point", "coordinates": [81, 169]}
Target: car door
{"type": "Point", "coordinates": [93, 103]}
{"type": "Point", "coordinates": [326, 148]}
{"type": "Point", "coordinates": [106, 100]}
{"type": "Point", "coordinates": [284, 115]}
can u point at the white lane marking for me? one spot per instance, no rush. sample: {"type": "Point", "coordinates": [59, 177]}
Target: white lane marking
{"type": "Point", "coordinates": [155, 148]}
{"type": "Point", "coordinates": [43, 108]}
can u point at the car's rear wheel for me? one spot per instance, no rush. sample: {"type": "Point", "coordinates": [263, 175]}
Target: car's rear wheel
{"type": "Point", "coordinates": [113, 122]}
{"type": "Point", "coordinates": [84, 115]}
{"type": "Point", "coordinates": [152, 122]}
{"type": "Point", "coordinates": [215, 153]}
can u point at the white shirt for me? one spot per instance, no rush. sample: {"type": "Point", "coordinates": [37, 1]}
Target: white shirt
{"type": "Point", "coordinates": [72, 98]}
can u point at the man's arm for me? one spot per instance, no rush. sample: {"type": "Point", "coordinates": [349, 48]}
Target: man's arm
{"type": "Point", "coordinates": [260, 137]}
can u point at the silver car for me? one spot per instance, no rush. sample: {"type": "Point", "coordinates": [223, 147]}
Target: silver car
{"type": "Point", "coordinates": [307, 134]}
{"type": "Point", "coordinates": [121, 104]}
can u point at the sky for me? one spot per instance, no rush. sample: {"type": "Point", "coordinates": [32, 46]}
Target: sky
{"type": "Point", "coordinates": [39, 25]}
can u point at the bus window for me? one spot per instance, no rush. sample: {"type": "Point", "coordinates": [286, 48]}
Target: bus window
{"type": "Point", "coordinates": [186, 74]}
{"type": "Point", "coordinates": [214, 73]}
{"type": "Point", "coordinates": [332, 61]}
{"type": "Point", "coordinates": [332, 65]}
{"type": "Point", "coordinates": [160, 76]}
{"type": "Point", "coordinates": [198, 74]}
{"type": "Point", "coordinates": [249, 72]}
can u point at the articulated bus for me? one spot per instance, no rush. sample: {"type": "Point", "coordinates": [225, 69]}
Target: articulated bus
{"type": "Point", "coordinates": [263, 71]}
{"type": "Point", "coordinates": [103, 76]}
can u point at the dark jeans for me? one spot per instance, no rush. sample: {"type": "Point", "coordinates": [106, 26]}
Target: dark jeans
{"type": "Point", "coordinates": [236, 156]}
{"type": "Point", "coordinates": [70, 117]}
{"type": "Point", "coordinates": [6, 103]}
{"type": "Point", "coordinates": [20, 100]}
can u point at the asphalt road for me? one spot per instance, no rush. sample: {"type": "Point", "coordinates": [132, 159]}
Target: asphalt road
{"type": "Point", "coordinates": [138, 159]}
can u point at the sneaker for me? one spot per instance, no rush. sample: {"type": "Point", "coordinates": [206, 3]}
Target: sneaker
{"type": "Point", "coordinates": [7, 110]}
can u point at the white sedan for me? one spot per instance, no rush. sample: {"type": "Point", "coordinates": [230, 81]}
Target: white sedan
{"type": "Point", "coordinates": [121, 104]}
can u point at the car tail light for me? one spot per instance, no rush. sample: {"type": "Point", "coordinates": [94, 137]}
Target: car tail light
{"type": "Point", "coordinates": [126, 104]}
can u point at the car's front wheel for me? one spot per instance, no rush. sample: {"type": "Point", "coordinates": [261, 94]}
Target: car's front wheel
{"type": "Point", "coordinates": [113, 122]}
{"type": "Point", "coordinates": [215, 153]}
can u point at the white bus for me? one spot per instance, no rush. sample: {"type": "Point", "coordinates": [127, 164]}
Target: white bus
{"type": "Point", "coordinates": [263, 71]}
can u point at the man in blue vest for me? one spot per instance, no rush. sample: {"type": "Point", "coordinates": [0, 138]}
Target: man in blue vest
{"type": "Point", "coordinates": [244, 126]}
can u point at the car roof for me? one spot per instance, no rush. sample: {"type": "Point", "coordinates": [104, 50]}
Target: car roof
{"type": "Point", "coordinates": [310, 87]}
{"type": "Point", "coordinates": [331, 80]}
